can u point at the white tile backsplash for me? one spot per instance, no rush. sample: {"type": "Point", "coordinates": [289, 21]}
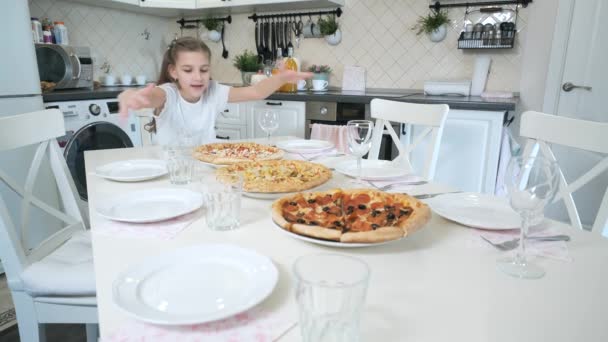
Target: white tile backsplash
{"type": "Point", "coordinates": [113, 35]}
{"type": "Point", "coordinates": [376, 34]}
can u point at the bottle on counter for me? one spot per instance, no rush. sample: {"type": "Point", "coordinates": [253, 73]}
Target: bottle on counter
{"type": "Point", "coordinates": [290, 64]}
{"type": "Point", "coordinates": [47, 36]}
{"type": "Point", "coordinates": [49, 27]}
{"type": "Point", "coordinates": [61, 33]}
{"type": "Point", "coordinates": [37, 30]}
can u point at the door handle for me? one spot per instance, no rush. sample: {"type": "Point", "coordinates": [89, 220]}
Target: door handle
{"type": "Point", "coordinates": [568, 86]}
{"type": "Point", "coordinates": [274, 103]}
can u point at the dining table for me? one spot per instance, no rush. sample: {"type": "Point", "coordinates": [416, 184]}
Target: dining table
{"type": "Point", "coordinates": [440, 283]}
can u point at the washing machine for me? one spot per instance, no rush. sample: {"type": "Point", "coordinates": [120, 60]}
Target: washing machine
{"type": "Point", "coordinates": [93, 125]}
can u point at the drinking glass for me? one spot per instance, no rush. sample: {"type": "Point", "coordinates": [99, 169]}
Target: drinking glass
{"type": "Point", "coordinates": [179, 164]}
{"type": "Point", "coordinates": [359, 134]}
{"type": "Point", "coordinates": [532, 183]}
{"type": "Point", "coordinates": [330, 292]}
{"type": "Point", "coordinates": [223, 202]}
{"type": "Point", "coordinates": [269, 122]}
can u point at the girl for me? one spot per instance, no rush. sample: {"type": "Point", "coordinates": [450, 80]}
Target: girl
{"type": "Point", "coordinates": [186, 101]}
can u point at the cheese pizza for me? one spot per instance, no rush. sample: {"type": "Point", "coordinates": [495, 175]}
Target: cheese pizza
{"type": "Point", "coordinates": [231, 153]}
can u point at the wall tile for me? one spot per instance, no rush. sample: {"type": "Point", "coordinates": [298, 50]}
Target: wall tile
{"type": "Point", "coordinates": [377, 35]}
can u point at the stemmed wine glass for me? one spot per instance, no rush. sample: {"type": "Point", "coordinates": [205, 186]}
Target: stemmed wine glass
{"type": "Point", "coordinates": [532, 183]}
{"type": "Point", "coordinates": [269, 122]}
{"type": "Point", "coordinates": [359, 133]}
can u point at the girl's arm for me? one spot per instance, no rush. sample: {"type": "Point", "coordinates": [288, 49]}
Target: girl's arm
{"type": "Point", "coordinates": [148, 97]}
{"type": "Point", "coordinates": [265, 88]}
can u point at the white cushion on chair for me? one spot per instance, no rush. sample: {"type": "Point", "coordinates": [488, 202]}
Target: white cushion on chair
{"type": "Point", "coordinates": [67, 271]}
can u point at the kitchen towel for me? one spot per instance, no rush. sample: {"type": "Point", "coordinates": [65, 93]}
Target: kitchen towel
{"type": "Point", "coordinates": [332, 133]}
{"type": "Point", "coordinates": [255, 325]}
{"type": "Point", "coordinates": [164, 230]}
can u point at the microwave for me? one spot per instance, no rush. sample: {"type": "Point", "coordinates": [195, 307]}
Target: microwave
{"type": "Point", "coordinates": [66, 66]}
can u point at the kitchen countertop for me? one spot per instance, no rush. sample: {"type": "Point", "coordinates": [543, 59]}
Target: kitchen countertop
{"type": "Point", "coordinates": [332, 95]}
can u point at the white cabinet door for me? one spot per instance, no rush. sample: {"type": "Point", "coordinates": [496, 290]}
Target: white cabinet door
{"type": "Point", "coordinates": [469, 150]}
{"type": "Point", "coordinates": [291, 117]}
{"type": "Point", "coordinates": [130, 2]}
{"type": "Point", "coordinates": [182, 4]}
{"type": "Point", "coordinates": [230, 132]}
{"type": "Point", "coordinates": [213, 3]}
{"type": "Point", "coordinates": [232, 115]}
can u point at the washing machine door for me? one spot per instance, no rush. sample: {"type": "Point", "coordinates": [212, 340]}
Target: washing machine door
{"type": "Point", "coordinates": [94, 136]}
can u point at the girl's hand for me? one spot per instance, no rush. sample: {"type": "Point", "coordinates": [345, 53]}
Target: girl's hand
{"type": "Point", "coordinates": [290, 76]}
{"type": "Point", "coordinates": [134, 99]}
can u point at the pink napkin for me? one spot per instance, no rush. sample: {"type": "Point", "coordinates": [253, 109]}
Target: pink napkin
{"type": "Point", "coordinates": [557, 250]}
{"type": "Point", "coordinates": [164, 230]}
{"type": "Point", "coordinates": [333, 133]}
{"type": "Point", "coordinates": [255, 325]}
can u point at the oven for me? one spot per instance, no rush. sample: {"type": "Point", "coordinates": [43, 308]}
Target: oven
{"type": "Point", "coordinates": [339, 113]}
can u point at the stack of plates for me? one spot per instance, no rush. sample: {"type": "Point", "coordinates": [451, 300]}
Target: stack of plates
{"type": "Point", "coordinates": [132, 170]}
{"type": "Point", "coordinates": [305, 146]}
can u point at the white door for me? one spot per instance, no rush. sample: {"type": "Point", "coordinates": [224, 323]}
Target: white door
{"type": "Point", "coordinates": [230, 132]}
{"type": "Point", "coordinates": [578, 60]}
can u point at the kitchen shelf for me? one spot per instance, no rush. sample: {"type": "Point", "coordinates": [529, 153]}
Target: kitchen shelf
{"type": "Point", "coordinates": [488, 43]}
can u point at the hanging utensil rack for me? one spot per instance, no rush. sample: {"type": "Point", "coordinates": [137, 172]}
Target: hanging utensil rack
{"type": "Point", "coordinates": [189, 23]}
{"type": "Point", "coordinates": [437, 6]}
{"type": "Point", "coordinates": [183, 23]}
{"type": "Point", "coordinates": [338, 12]}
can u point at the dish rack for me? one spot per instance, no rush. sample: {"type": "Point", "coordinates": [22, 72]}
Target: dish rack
{"type": "Point", "coordinates": [489, 28]}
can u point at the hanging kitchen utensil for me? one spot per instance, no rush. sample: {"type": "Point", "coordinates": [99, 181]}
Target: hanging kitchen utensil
{"type": "Point", "coordinates": [267, 46]}
{"type": "Point", "coordinates": [258, 47]}
{"type": "Point", "coordinates": [288, 34]}
{"type": "Point", "coordinates": [280, 35]}
{"type": "Point", "coordinates": [224, 51]}
{"type": "Point", "coordinates": [298, 27]}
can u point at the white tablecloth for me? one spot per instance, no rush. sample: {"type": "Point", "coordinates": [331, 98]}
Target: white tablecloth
{"type": "Point", "coordinates": [432, 286]}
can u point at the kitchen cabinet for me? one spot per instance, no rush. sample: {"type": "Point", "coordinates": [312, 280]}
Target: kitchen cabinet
{"type": "Point", "coordinates": [232, 115]}
{"type": "Point", "coordinates": [197, 8]}
{"type": "Point", "coordinates": [469, 150]}
{"type": "Point", "coordinates": [180, 4]}
{"type": "Point", "coordinates": [230, 132]}
{"type": "Point", "coordinates": [291, 117]}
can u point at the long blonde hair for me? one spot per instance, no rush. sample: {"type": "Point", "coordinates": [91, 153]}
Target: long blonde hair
{"type": "Point", "coordinates": [189, 44]}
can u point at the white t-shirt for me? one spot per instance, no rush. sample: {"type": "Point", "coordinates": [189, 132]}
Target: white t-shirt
{"type": "Point", "coordinates": [179, 117]}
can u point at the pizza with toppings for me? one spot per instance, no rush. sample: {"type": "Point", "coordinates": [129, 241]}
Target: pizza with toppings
{"type": "Point", "coordinates": [231, 153]}
{"type": "Point", "coordinates": [351, 216]}
{"type": "Point", "coordinates": [270, 176]}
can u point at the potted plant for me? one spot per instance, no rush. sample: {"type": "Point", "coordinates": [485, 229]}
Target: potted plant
{"type": "Point", "coordinates": [247, 63]}
{"type": "Point", "coordinates": [434, 25]}
{"type": "Point", "coordinates": [213, 26]}
{"type": "Point", "coordinates": [329, 28]}
{"type": "Point", "coordinates": [320, 72]}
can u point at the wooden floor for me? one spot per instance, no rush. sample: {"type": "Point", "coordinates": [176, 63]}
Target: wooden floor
{"type": "Point", "coordinates": [54, 333]}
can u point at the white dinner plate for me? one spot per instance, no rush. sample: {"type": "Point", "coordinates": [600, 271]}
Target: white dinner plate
{"type": "Point", "coordinates": [329, 242]}
{"type": "Point", "coordinates": [134, 170]}
{"type": "Point", "coordinates": [305, 146]}
{"type": "Point", "coordinates": [476, 210]}
{"type": "Point", "coordinates": [193, 285]}
{"type": "Point", "coordinates": [150, 205]}
{"type": "Point", "coordinates": [372, 169]}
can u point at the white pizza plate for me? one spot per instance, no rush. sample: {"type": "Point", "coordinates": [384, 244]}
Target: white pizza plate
{"type": "Point", "coordinates": [193, 285]}
{"type": "Point", "coordinates": [150, 205]}
{"type": "Point", "coordinates": [305, 146]}
{"type": "Point", "coordinates": [372, 169]}
{"type": "Point", "coordinates": [134, 170]}
{"type": "Point", "coordinates": [331, 243]}
{"type": "Point", "coordinates": [476, 210]}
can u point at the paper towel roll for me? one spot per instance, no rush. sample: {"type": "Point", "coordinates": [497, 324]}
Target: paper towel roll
{"type": "Point", "coordinates": [480, 74]}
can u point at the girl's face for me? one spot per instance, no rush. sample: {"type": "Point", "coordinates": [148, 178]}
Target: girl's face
{"type": "Point", "coordinates": [191, 70]}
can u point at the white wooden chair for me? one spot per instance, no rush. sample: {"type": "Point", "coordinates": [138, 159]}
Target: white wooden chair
{"type": "Point", "coordinates": [55, 281]}
{"type": "Point", "coordinates": [543, 129]}
{"type": "Point", "coordinates": [431, 116]}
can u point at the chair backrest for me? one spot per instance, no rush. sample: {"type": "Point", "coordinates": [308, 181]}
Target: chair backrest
{"type": "Point", "coordinates": [542, 129]}
{"type": "Point", "coordinates": [431, 116]}
{"type": "Point", "coordinates": [39, 128]}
